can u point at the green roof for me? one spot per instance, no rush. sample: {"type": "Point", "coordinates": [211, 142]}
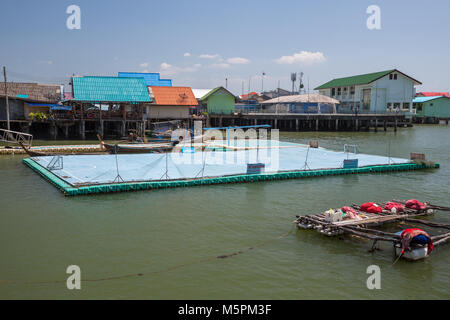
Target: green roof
{"type": "Point", "coordinates": [110, 89]}
{"type": "Point", "coordinates": [355, 80]}
{"type": "Point", "coordinates": [206, 96]}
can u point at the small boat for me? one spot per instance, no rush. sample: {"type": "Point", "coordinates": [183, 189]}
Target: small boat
{"type": "Point", "coordinates": [137, 147]}
{"type": "Point", "coordinates": [32, 153]}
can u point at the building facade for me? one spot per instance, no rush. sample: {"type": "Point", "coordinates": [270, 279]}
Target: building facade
{"type": "Point", "coordinates": [432, 109]}
{"type": "Point", "coordinates": [171, 102]}
{"type": "Point", "coordinates": [377, 92]}
{"type": "Point", "coordinates": [215, 101]}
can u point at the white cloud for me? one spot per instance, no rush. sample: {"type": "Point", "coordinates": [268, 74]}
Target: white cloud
{"type": "Point", "coordinates": [303, 57]}
{"type": "Point", "coordinates": [165, 66]}
{"type": "Point", "coordinates": [167, 69]}
{"type": "Point", "coordinates": [209, 56]}
{"type": "Point", "coordinates": [220, 65]}
{"type": "Point", "coordinates": [144, 65]}
{"type": "Point", "coordinates": [238, 60]}
{"type": "Point", "coordinates": [187, 54]}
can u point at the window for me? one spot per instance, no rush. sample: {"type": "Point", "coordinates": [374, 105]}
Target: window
{"type": "Point", "coordinates": [339, 91]}
{"type": "Point", "coordinates": [431, 104]}
{"type": "Point", "coordinates": [395, 76]}
{"type": "Point", "coordinates": [352, 90]}
{"type": "Point", "coordinates": [333, 92]}
{"type": "Point", "coordinates": [391, 76]}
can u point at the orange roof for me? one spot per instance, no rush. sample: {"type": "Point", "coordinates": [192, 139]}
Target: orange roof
{"type": "Point", "coordinates": [173, 96]}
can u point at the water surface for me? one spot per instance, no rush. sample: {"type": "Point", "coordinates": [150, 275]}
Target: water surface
{"type": "Point", "coordinates": [42, 232]}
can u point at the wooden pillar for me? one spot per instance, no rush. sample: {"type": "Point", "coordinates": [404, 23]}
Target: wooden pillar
{"type": "Point", "coordinates": [101, 129]}
{"type": "Point", "coordinates": [385, 125]}
{"type": "Point", "coordinates": [296, 124]}
{"type": "Point", "coordinates": [66, 131]}
{"type": "Point", "coordinates": [54, 130]}
{"type": "Point", "coordinates": [376, 124]}
{"type": "Point", "coordinates": [336, 126]}
{"type": "Point", "coordinates": [123, 128]}
{"type": "Point", "coordinates": [395, 124]}
{"type": "Point", "coordinates": [317, 124]}
{"type": "Point", "coordinates": [82, 130]}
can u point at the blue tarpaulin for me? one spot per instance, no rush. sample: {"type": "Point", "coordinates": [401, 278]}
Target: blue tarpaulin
{"type": "Point", "coordinates": [51, 106]}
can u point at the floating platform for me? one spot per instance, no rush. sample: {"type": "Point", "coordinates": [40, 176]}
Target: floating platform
{"type": "Point", "coordinates": [88, 174]}
{"type": "Point", "coordinates": [364, 227]}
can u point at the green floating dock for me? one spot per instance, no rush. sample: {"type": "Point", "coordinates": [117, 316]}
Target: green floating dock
{"type": "Point", "coordinates": [70, 190]}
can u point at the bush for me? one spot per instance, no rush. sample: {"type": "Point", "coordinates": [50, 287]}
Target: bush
{"type": "Point", "coordinates": [38, 116]}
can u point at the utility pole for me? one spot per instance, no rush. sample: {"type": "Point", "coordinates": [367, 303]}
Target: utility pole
{"type": "Point", "coordinates": [6, 96]}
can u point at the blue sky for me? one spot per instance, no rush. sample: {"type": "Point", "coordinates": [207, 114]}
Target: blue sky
{"type": "Point", "coordinates": [199, 43]}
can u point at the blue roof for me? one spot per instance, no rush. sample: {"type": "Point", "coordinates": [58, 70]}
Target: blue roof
{"type": "Point", "coordinates": [110, 89]}
{"type": "Point", "coordinates": [151, 79]}
{"type": "Point", "coordinates": [425, 99]}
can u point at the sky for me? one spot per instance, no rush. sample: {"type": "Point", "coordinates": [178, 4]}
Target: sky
{"type": "Point", "coordinates": [200, 43]}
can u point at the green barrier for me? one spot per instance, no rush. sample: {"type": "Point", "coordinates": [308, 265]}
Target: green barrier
{"type": "Point", "coordinates": [69, 190]}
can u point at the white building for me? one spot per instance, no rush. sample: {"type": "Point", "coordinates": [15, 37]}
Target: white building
{"type": "Point", "coordinates": [373, 92]}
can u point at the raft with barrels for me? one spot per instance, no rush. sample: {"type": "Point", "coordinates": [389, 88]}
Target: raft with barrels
{"type": "Point", "coordinates": [361, 221]}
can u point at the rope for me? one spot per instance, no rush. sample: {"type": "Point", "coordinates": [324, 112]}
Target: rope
{"type": "Point", "coordinates": [132, 275]}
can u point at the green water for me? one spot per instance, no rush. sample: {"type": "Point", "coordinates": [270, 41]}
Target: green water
{"type": "Point", "coordinates": [42, 233]}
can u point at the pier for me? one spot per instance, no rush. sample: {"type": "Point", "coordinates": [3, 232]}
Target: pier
{"type": "Point", "coordinates": [314, 122]}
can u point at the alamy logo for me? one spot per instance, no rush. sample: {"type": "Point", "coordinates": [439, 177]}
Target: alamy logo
{"type": "Point", "coordinates": [374, 281]}
{"type": "Point", "coordinates": [74, 20]}
{"type": "Point", "coordinates": [74, 280]}
{"type": "Point", "coordinates": [374, 20]}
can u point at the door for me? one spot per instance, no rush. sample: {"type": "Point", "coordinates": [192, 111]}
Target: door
{"type": "Point", "coordinates": [366, 100]}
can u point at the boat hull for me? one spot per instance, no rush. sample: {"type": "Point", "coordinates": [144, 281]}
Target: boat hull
{"type": "Point", "coordinates": [416, 253]}
{"type": "Point", "coordinates": [138, 149]}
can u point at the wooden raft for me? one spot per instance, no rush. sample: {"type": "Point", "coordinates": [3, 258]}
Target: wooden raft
{"type": "Point", "coordinates": [361, 228]}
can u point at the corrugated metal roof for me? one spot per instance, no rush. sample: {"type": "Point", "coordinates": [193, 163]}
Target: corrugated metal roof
{"type": "Point", "coordinates": [302, 98]}
{"type": "Point", "coordinates": [151, 79]}
{"type": "Point", "coordinates": [110, 89]}
{"type": "Point", "coordinates": [354, 80]}
{"type": "Point", "coordinates": [425, 99]}
{"type": "Point", "coordinates": [216, 90]}
{"type": "Point", "coordinates": [433, 94]}
{"type": "Point", "coordinates": [360, 79]}
{"type": "Point", "coordinates": [173, 96]}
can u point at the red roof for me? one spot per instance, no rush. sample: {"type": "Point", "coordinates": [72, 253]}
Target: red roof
{"type": "Point", "coordinates": [432, 94]}
{"type": "Point", "coordinates": [173, 96]}
{"type": "Point", "coordinates": [243, 96]}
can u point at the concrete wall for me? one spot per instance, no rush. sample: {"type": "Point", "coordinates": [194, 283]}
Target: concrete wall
{"type": "Point", "coordinates": [397, 91]}
{"type": "Point", "coordinates": [169, 112]}
{"type": "Point", "coordinates": [16, 111]}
